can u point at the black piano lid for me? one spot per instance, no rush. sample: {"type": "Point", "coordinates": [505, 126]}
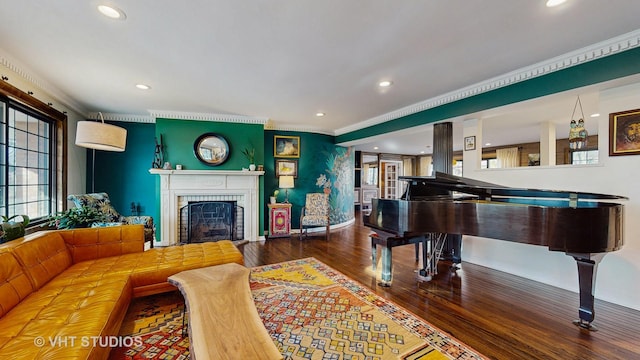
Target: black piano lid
{"type": "Point", "coordinates": [485, 189]}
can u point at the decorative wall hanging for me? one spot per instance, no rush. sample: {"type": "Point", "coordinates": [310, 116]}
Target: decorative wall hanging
{"type": "Point", "coordinates": [286, 167]}
{"type": "Point", "coordinates": [286, 146]}
{"type": "Point", "coordinates": [470, 143]}
{"type": "Point", "coordinates": [211, 149]}
{"type": "Point", "coordinates": [577, 132]}
{"type": "Point", "coordinates": [624, 133]}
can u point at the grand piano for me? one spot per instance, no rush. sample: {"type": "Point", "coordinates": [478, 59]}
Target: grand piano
{"type": "Point", "coordinates": [443, 206]}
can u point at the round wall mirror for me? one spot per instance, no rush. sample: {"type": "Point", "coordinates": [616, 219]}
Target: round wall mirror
{"type": "Point", "coordinates": [212, 149]}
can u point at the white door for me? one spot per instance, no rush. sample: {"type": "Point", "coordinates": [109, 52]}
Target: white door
{"type": "Point", "coordinates": [392, 188]}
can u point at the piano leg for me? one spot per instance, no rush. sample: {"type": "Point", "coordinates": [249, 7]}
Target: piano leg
{"type": "Point", "coordinates": [386, 266]}
{"type": "Point", "coordinates": [453, 249]}
{"type": "Point", "coordinates": [587, 266]}
{"type": "Point", "coordinates": [381, 239]}
{"type": "Point", "coordinates": [374, 255]}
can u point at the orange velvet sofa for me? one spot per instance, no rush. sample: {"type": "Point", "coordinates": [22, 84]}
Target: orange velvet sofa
{"type": "Point", "coordinates": [64, 293]}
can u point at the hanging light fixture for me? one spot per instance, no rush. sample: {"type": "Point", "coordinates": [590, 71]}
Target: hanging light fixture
{"type": "Point", "coordinates": [101, 136]}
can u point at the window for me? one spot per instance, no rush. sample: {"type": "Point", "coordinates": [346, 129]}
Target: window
{"type": "Point", "coordinates": [489, 163]}
{"type": "Point", "coordinates": [27, 163]}
{"type": "Point", "coordinates": [584, 157]}
{"type": "Point", "coordinates": [457, 168]}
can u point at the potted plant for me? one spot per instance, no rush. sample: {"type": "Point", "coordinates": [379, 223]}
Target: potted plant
{"type": "Point", "coordinates": [251, 156]}
{"type": "Point", "coordinates": [12, 229]}
{"type": "Point", "coordinates": [78, 217]}
{"type": "Point", "coordinates": [273, 198]}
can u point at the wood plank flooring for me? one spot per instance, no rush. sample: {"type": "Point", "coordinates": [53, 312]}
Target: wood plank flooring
{"type": "Point", "coordinates": [500, 315]}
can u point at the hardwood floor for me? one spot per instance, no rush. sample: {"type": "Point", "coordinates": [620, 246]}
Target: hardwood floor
{"type": "Point", "coordinates": [502, 316]}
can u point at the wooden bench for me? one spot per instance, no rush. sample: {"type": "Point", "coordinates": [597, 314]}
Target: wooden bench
{"type": "Point", "coordinates": [223, 320]}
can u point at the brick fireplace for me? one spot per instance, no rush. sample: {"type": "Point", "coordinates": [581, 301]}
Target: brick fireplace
{"type": "Point", "coordinates": [178, 188]}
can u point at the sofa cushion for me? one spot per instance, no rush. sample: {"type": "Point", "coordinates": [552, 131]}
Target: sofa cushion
{"type": "Point", "coordinates": [43, 257]}
{"type": "Point", "coordinates": [85, 311]}
{"type": "Point", "coordinates": [101, 242]}
{"type": "Point", "coordinates": [153, 266]}
{"type": "Point", "coordinates": [14, 283]}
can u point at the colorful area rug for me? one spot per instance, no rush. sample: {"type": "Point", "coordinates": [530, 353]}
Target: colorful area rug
{"type": "Point", "coordinates": [311, 311]}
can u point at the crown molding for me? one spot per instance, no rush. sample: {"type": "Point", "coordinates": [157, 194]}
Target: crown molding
{"type": "Point", "coordinates": [185, 115]}
{"type": "Point", "coordinates": [122, 117]}
{"type": "Point", "coordinates": [273, 126]}
{"type": "Point", "coordinates": [605, 48]}
{"type": "Point", "coordinates": [51, 93]}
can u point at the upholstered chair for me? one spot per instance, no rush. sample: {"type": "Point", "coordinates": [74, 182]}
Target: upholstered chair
{"type": "Point", "coordinates": [101, 202]}
{"type": "Point", "coordinates": [315, 213]}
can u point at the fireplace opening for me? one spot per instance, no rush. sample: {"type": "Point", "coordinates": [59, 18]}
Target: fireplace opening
{"type": "Point", "coordinates": [207, 221]}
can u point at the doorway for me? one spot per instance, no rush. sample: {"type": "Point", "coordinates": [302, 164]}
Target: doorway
{"type": "Point", "coordinates": [391, 188]}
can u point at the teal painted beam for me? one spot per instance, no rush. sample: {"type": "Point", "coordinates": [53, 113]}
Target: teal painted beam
{"type": "Point", "coordinates": [607, 68]}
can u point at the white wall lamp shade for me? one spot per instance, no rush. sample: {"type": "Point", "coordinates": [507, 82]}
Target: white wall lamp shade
{"type": "Point", "coordinates": [101, 136]}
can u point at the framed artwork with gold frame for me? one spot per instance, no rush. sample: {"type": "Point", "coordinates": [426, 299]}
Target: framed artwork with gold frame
{"type": "Point", "coordinates": [624, 133]}
{"type": "Point", "coordinates": [286, 146]}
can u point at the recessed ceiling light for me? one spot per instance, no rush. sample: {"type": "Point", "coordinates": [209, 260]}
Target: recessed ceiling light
{"type": "Point", "coordinates": [375, 148]}
{"type": "Point", "coordinates": [552, 3]}
{"type": "Point", "coordinates": [595, 115]}
{"type": "Point", "coordinates": [143, 86]}
{"type": "Point", "coordinates": [385, 83]}
{"type": "Point", "coordinates": [487, 144]}
{"type": "Point", "coordinates": [112, 12]}
{"type": "Point", "coordinates": [320, 114]}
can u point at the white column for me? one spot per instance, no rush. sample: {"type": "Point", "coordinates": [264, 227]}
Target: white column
{"type": "Point", "coordinates": [547, 144]}
{"type": "Point", "coordinates": [471, 158]}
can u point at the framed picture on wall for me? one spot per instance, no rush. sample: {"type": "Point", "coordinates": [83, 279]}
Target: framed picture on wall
{"type": "Point", "coordinates": [368, 194]}
{"type": "Point", "coordinates": [286, 146]}
{"type": "Point", "coordinates": [624, 133]}
{"type": "Point", "coordinates": [470, 143]}
{"type": "Point", "coordinates": [286, 167]}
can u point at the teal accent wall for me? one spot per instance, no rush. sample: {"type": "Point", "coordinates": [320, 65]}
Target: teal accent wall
{"type": "Point", "coordinates": [322, 167]}
{"type": "Point", "coordinates": [125, 175]}
{"type": "Point", "coordinates": [592, 72]}
{"type": "Point", "coordinates": [178, 137]}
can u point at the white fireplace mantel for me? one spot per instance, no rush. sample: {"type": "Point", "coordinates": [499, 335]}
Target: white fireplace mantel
{"type": "Point", "coordinates": [176, 185]}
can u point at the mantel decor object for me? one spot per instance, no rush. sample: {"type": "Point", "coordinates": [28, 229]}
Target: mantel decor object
{"type": "Point", "coordinates": [251, 156]}
{"type": "Point", "coordinates": [158, 156]}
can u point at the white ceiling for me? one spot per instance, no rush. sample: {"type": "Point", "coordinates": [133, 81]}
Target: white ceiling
{"type": "Point", "coordinates": [285, 60]}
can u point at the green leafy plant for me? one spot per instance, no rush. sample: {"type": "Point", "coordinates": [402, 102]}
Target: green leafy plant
{"type": "Point", "coordinates": [250, 154]}
{"type": "Point", "coordinates": [78, 217]}
{"type": "Point", "coordinates": [12, 229]}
